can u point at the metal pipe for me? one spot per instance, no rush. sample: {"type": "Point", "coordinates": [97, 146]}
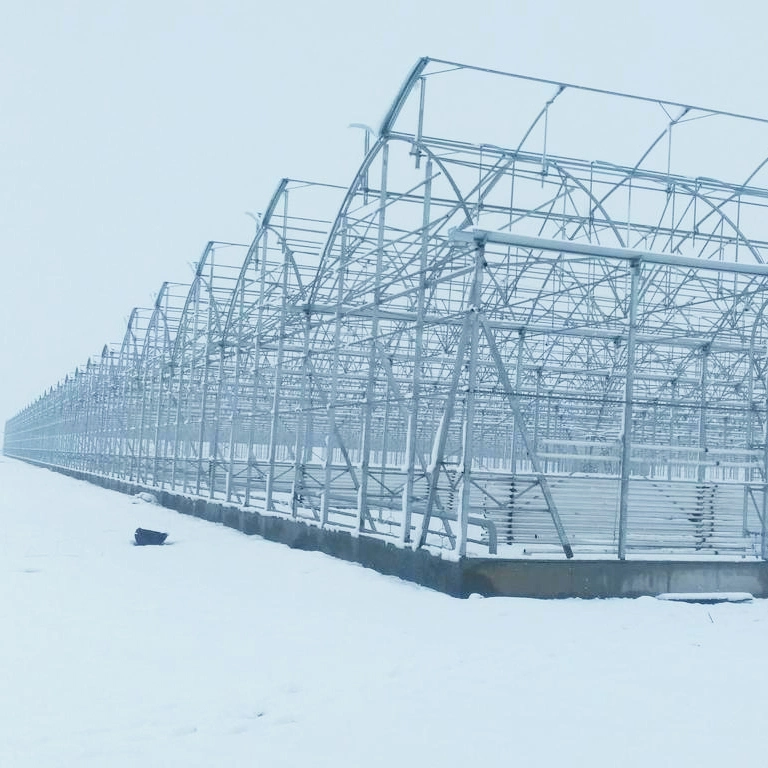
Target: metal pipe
{"type": "Point", "coordinates": [592, 250]}
{"type": "Point", "coordinates": [626, 438]}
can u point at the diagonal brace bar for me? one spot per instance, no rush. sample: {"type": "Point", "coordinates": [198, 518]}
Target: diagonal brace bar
{"type": "Point", "coordinates": [515, 405]}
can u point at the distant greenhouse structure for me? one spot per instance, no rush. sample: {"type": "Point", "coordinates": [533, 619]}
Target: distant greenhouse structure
{"type": "Point", "coordinates": [533, 324]}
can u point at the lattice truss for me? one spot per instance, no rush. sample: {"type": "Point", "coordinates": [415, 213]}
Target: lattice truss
{"type": "Point", "coordinates": [533, 323]}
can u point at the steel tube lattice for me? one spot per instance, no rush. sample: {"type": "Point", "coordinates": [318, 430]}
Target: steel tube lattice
{"type": "Point", "coordinates": [534, 323]}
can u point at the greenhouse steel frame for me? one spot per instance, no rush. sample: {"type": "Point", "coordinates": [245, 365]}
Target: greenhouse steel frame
{"type": "Point", "coordinates": [532, 325]}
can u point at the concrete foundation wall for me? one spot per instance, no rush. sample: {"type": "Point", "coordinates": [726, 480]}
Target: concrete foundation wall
{"type": "Point", "coordinates": [610, 578]}
{"type": "Point", "coordinates": [485, 576]}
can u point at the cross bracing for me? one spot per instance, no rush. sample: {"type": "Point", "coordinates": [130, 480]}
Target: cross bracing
{"type": "Point", "coordinates": [533, 323]}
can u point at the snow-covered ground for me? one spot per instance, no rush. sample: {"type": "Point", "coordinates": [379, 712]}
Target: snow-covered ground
{"type": "Point", "coordinates": [226, 650]}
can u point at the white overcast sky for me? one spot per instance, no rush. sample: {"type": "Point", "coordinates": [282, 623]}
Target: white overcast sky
{"type": "Point", "coordinates": [131, 133]}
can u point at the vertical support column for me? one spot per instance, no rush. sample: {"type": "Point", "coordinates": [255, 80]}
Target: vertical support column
{"type": "Point", "coordinates": [537, 410]}
{"type": "Point", "coordinates": [94, 422]}
{"type": "Point", "coordinates": [764, 525]}
{"type": "Point", "coordinates": [122, 418]}
{"type": "Point", "coordinates": [236, 390]}
{"type": "Point", "coordinates": [203, 413]}
{"type": "Point", "coordinates": [215, 453]}
{"type": "Point", "coordinates": [384, 449]}
{"type": "Point", "coordinates": [160, 353]}
{"type": "Point", "coordinates": [81, 419]}
{"type": "Point", "coordinates": [275, 415]}
{"type": "Point", "coordinates": [72, 422]}
{"type": "Point", "coordinates": [672, 423]}
{"type": "Point", "coordinates": [77, 415]}
{"type": "Point", "coordinates": [61, 424]}
{"type": "Point", "coordinates": [88, 408]}
{"type": "Point", "coordinates": [109, 412]}
{"type": "Point", "coordinates": [302, 446]}
{"type": "Point", "coordinates": [177, 425]}
{"type": "Point", "coordinates": [626, 440]}
{"type": "Point", "coordinates": [370, 387]}
{"type": "Point", "coordinates": [213, 440]}
{"type": "Point", "coordinates": [701, 471]}
{"type": "Point", "coordinates": [233, 422]}
{"type": "Point", "coordinates": [189, 464]}
{"type": "Point", "coordinates": [78, 411]}
{"type": "Point", "coordinates": [469, 409]}
{"type": "Point", "coordinates": [330, 407]}
{"type": "Point", "coordinates": [201, 468]}
{"type": "Point", "coordinates": [418, 342]}
{"type": "Point", "coordinates": [100, 397]}
{"type": "Point", "coordinates": [749, 472]}
{"type": "Point", "coordinates": [141, 386]}
{"type": "Point", "coordinates": [157, 477]}
{"type": "Point", "coordinates": [256, 353]}
{"type": "Point", "coordinates": [518, 382]}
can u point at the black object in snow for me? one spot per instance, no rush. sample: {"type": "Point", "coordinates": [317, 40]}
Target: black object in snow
{"type": "Point", "coordinates": [144, 537]}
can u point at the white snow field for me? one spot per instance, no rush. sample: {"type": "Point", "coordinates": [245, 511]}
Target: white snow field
{"type": "Point", "coordinates": [226, 650]}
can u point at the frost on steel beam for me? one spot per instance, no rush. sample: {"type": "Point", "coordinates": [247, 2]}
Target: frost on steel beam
{"type": "Point", "coordinates": [594, 250]}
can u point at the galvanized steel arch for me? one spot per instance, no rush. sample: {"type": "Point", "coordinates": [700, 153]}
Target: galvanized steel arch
{"type": "Point", "coordinates": [423, 356]}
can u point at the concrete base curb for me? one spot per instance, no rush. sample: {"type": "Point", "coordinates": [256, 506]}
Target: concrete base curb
{"type": "Point", "coordinates": [490, 577]}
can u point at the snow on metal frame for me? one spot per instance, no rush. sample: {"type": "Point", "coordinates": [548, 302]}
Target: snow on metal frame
{"type": "Point", "coordinates": [534, 323]}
